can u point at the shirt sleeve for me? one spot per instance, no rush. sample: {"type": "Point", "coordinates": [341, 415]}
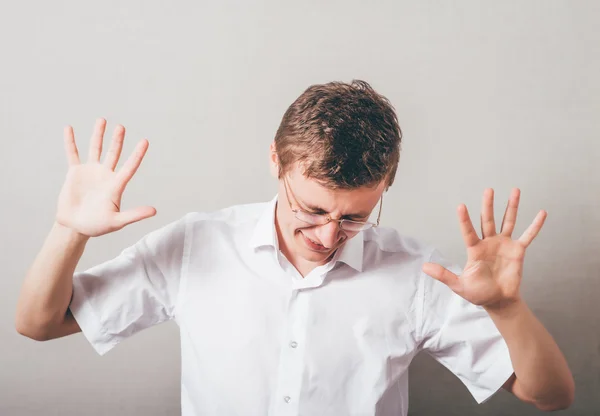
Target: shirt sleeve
{"type": "Point", "coordinates": [136, 290]}
{"type": "Point", "coordinates": [462, 336]}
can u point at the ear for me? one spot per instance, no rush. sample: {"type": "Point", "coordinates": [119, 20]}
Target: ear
{"type": "Point", "coordinates": [273, 161]}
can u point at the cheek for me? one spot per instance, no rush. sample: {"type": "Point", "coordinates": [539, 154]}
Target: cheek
{"type": "Point", "coordinates": [290, 221]}
{"type": "Point", "coordinates": [349, 235]}
{"type": "Point", "coordinates": [299, 228]}
{"type": "Point", "coordinates": [296, 226]}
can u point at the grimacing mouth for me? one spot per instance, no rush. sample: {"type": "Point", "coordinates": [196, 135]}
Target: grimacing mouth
{"type": "Point", "coordinates": [340, 242]}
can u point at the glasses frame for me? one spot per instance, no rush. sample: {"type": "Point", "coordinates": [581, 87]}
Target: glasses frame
{"type": "Point", "coordinates": [366, 224]}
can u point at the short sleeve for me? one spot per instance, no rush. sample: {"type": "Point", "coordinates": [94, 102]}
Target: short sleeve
{"type": "Point", "coordinates": [462, 336]}
{"type": "Point", "coordinates": [134, 291]}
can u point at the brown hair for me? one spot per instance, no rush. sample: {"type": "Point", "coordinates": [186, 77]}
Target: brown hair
{"type": "Point", "coordinates": [343, 135]}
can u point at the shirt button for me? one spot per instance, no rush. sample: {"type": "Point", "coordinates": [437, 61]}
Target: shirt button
{"type": "Point", "coordinates": [293, 344]}
{"type": "Point", "coordinates": [287, 399]}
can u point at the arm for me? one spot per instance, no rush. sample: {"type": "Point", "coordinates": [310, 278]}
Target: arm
{"type": "Point", "coordinates": [46, 292]}
{"type": "Point", "coordinates": [491, 278]}
{"type": "Point", "coordinates": [88, 206]}
{"type": "Point", "coordinates": [542, 376]}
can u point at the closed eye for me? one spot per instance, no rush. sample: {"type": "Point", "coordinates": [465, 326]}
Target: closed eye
{"type": "Point", "coordinates": [360, 219]}
{"type": "Point", "coordinates": [312, 212]}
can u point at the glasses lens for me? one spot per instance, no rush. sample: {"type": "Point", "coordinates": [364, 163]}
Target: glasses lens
{"type": "Point", "coordinates": [312, 219]}
{"type": "Point", "coordinates": [354, 226]}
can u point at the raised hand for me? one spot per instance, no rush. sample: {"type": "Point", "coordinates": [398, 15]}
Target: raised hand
{"type": "Point", "coordinates": [494, 268]}
{"type": "Point", "coordinates": [90, 199]}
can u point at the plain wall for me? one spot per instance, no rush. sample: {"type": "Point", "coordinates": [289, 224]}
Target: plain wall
{"type": "Point", "coordinates": [488, 94]}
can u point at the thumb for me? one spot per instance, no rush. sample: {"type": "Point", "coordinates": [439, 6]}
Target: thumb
{"type": "Point", "coordinates": [134, 215]}
{"type": "Point", "coordinates": [442, 274]}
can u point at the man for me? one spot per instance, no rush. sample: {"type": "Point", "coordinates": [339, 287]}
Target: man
{"type": "Point", "coordinates": [302, 305]}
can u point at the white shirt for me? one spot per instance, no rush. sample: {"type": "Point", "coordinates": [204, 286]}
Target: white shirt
{"type": "Point", "coordinates": [258, 339]}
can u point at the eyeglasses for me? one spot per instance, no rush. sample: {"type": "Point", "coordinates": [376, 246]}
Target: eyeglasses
{"type": "Point", "coordinates": [322, 219]}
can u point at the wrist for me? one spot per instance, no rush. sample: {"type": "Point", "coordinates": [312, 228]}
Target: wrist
{"type": "Point", "coordinates": [506, 309]}
{"type": "Point", "coordinates": [69, 233]}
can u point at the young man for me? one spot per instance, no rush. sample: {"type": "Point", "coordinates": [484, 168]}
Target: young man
{"type": "Point", "coordinates": [301, 305]}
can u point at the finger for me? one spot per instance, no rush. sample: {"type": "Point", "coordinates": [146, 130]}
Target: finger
{"type": "Point", "coordinates": [442, 274]}
{"type": "Point", "coordinates": [488, 224]}
{"type": "Point", "coordinates": [71, 147]}
{"type": "Point", "coordinates": [96, 141]}
{"type": "Point", "coordinates": [134, 215]}
{"type": "Point", "coordinates": [116, 146]}
{"type": "Point", "coordinates": [131, 165]}
{"type": "Point", "coordinates": [532, 231]}
{"type": "Point", "coordinates": [510, 215]}
{"type": "Point", "coordinates": [469, 234]}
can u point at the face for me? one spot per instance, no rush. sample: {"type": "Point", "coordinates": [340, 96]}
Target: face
{"type": "Point", "coordinates": [316, 244]}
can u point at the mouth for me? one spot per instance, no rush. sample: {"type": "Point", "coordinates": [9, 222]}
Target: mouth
{"type": "Point", "coordinates": [313, 245]}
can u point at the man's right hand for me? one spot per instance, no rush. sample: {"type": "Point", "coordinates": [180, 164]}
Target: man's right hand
{"type": "Point", "coordinates": [90, 199]}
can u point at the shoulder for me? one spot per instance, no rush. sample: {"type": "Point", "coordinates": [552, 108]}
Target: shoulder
{"type": "Point", "coordinates": [230, 218]}
{"type": "Point", "coordinates": [223, 219]}
{"type": "Point", "coordinates": [396, 261]}
{"type": "Point", "coordinates": [234, 223]}
{"type": "Point", "coordinates": [233, 215]}
{"type": "Point", "coordinates": [388, 243]}
{"type": "Point", "coordinates": [402, 257]}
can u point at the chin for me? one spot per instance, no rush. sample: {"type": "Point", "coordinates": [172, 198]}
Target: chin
{"type": "Point", "coordinates": [315, 257]}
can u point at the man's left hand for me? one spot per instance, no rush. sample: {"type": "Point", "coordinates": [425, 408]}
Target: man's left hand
{"type": "Point", "coordinates": [492, 275]}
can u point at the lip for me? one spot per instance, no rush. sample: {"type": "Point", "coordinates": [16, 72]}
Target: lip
{"type": "Point", "coordinates": [313, 246]}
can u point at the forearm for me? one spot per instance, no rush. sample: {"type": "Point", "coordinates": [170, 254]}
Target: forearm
{"type": "Point", "coordinates": [540, 367]}
{"type": "Point", "coordinates": [48, 286]}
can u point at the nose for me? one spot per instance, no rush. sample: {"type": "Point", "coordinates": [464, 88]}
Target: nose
{"type": "Point", "coordinates": [329, 234]}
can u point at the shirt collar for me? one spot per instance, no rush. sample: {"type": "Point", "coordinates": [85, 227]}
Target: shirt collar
{"type": "Point", "coordinates": [264, 232]}
{"type": "Point", "coordinates": [265, 235]}
{"type": "Point", "coordinates": [351, 252]}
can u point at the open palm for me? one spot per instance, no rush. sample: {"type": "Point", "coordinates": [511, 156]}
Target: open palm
{"type": "Point", "coordinates": [90, 199]}
{"type": "Point", "coordinates": [494, 268]}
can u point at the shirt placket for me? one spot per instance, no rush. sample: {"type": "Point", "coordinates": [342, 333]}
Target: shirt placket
{"type": "Point", "coordinates": [291, 360]}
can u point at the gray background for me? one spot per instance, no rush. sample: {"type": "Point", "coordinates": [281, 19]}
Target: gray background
{"type": "Point", "coordinates": [489, 93]}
